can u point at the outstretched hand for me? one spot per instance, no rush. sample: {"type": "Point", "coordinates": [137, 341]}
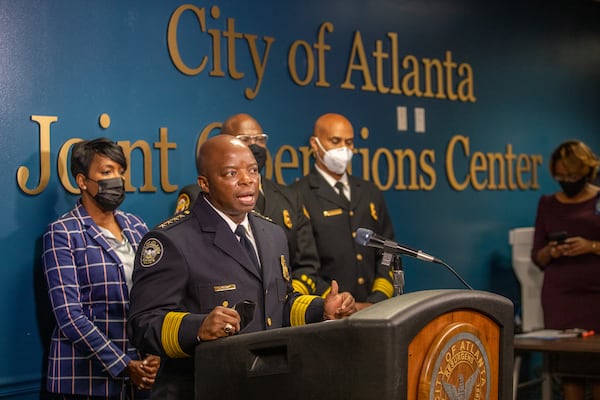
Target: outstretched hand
{"type": "Point", "coordinates": [338, 305]}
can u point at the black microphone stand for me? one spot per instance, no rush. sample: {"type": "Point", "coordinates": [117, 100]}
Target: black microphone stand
{"type": "Point", "coordinates": [391, 258]}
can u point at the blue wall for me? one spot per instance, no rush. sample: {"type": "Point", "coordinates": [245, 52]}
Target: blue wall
{"type": "Point", "coordinates": [516, 80]}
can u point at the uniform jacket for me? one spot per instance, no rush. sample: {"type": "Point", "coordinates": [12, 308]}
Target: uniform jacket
{"type": "Point", "coordinates": [284, 206]}
{"type": "Point", "coordinates": [89, 297]}
{"type": "Point", "coordinates": [356, 268]}
{"type": "Point", "coordinates": [192, 263]}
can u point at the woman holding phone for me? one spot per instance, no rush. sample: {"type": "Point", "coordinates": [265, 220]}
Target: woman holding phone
{"type": "Point", "coordinates": [567, 248]}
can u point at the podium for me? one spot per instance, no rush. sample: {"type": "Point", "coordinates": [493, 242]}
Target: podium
{"type": "Point", "coordinates": [434, 344]}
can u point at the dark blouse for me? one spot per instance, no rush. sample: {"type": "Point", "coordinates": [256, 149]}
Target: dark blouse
{"type": "Point", "coordinates": [571, 288]}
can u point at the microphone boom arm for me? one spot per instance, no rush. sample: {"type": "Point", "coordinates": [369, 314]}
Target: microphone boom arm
{"type": "Point", "coordinates": [391, 249]}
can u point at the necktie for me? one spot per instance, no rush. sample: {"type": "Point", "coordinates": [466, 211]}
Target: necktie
{"type": "Point", "coordinates": [340, 188]}
{"type": "Point", "coordinates": [245, 242]}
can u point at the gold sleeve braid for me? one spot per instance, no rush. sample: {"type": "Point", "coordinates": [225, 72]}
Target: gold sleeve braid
{"type": "Point", "coordinates": [169, 334]}
{"type": "Point", "coordinates": [299, 286]}
{"type": "Point", "coordinates": [384, 286]}
{"type": "Point", "coordinates": [326, 292]}
{"type": "Point", "coordinates": [305, 284]}
{"type": "Point", "coordinates": [298, 312]}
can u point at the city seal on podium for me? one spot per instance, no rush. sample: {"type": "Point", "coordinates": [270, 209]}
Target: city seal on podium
{"type": "Point", "coordinates": [457, 366]}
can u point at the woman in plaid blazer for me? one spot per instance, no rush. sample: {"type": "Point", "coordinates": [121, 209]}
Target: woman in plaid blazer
{"type": "Point", "coordinates": [88, 256]}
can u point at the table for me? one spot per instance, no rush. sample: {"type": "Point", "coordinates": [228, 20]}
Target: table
{"type": "Point", "coordinates": [578, 356]}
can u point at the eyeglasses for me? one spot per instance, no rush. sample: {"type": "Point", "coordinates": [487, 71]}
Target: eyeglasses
{"type": "Point", "coordinates": [567, 178]}
{"type": "Point", "coordinates": [258, 139]}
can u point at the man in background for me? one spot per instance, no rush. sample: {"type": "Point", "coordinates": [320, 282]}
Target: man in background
{"type": "Point", "coordinates": [339, 204]}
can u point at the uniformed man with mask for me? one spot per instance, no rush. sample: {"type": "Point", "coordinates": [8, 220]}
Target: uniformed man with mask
{"type": "Point", "coordinates": [339, 204]}
{"type": "Point", "coordinates": [280, 203]}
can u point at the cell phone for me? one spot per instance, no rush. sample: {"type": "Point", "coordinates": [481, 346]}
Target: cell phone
{"type": "Point", "coordinates": [558, 237]}
{"type": "Point", "coordinates": [246, 310]}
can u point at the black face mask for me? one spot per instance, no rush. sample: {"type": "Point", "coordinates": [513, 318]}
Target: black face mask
{"type": "Point", "coordinates": [572, 189]}
{"type": "Point", "coordinates": [260, 153]}
{"type": "Point", "coordinates": [111, 193]}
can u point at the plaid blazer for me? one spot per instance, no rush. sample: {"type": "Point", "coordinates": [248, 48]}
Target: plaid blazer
{"type": "Point", "coordinates": [89, 297]}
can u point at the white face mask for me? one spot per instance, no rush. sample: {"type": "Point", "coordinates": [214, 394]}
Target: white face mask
{"type": "Point", "coordinates": [336, 160]}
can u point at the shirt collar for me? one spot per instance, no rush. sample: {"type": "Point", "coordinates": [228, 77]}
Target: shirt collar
{"type": "Point", "coordinates": [232, 225]}
{"type": "Point", "coordinates": [330, 179]}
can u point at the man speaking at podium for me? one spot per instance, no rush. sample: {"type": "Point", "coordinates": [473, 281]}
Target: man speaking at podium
{"type": "Point", "coordinates": [216, 270]}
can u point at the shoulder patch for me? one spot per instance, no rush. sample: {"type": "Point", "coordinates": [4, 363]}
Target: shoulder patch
{"type": "Point", "coordinates": [174, 219]}
{"type": "Point", "coordinates": [151, 252]}
{"type": "Point", "coordinates": [183, 203]}
{"type": "Point", "coordinates": [259, 215]}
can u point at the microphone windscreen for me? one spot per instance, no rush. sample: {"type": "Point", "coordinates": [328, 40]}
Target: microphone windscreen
{"type": "Point", "coordinates": [363, 235]}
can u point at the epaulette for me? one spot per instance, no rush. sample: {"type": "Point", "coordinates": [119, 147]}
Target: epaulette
{"type": "Point", "coordinates": [259, 215]}
{"type": "Point", "coordinates": [174, 219]}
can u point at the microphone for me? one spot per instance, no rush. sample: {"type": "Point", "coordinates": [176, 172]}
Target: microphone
{"type": "Point", "coordinates": [366, 237]}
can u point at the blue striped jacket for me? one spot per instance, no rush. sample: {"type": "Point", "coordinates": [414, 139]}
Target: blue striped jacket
{"type": "Point", "coordinates": [88, 293]}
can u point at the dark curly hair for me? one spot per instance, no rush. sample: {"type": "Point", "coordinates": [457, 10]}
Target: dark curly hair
{"type": "Point", "coordinates": [83, 153]}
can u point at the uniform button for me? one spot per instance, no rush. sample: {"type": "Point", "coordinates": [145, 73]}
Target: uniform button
{"type": "Point", "coordinates": [225, 303]}
{"type": "Point", "coordinates": [359, 257]}
{"type": "Point", "coordinates": [354, 234]}
{"type": "Point", "coordinates": [351, 213]}
{"type": "Point", "coordinates": [269, 322]}
{"type": "Point", "coordinates": [361, 281]}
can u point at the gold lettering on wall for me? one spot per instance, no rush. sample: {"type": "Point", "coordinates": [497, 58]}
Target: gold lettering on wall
{"type": "Point", "coordinates": [164, 146]}
{"type": "Point", "coordinates": [409, 76]}
{"type": "Point", "coordinates": [172, 43]}
{"type": "Point", "coordinates": [358, 62]}
{"type": "Point", "coordinates": [309, 61]}
{"type": "Point", "coordinates": [144, 147]}
{"type": "Point", "coordinates": [280, 164]}
{"type": "Point", "coordinates": [258, 61]}
{"type": "Point", "coordinates": [400, 169]}
{"type": "Point", "coordinates": [44, 123]}
{"type": "Point", "coordinates": [427, 161]}
{"type": "Point", "coordinates": [490, 171]}
{"type": "Point", "coordinates": [63, 172]}
{"type": "Point", "coordinates": [389, 161]}
{"type": "Point", "coordinates": [437, 78]}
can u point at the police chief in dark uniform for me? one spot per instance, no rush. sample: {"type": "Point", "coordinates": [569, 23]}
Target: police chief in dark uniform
{"type": "Point", "coordinates": [336, 216]}
{"type": "Point", "coordinates": [192, 272]}
{"type": "Point", "coordinates": [280, 203]}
